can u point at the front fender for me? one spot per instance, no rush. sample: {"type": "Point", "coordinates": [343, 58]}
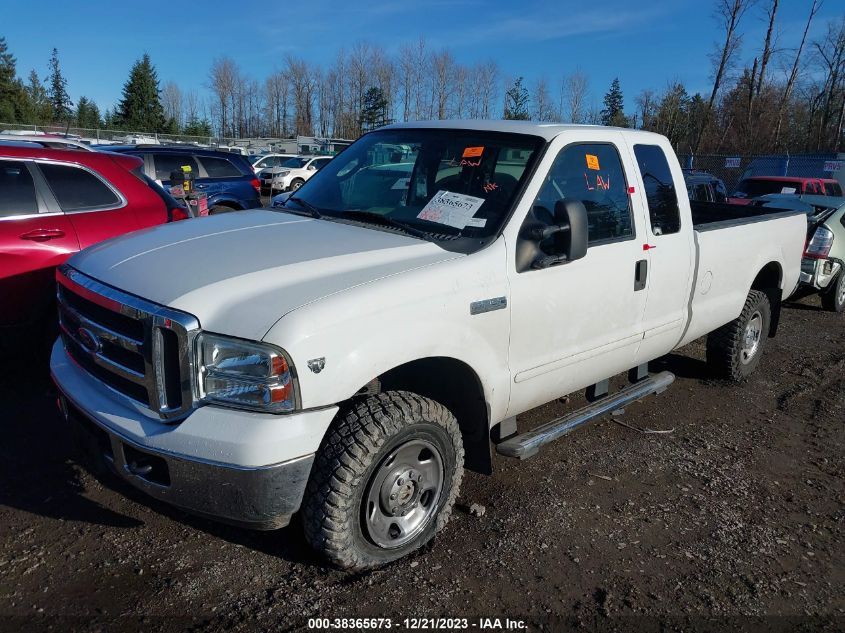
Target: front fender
{"type": "Point", "coordinates": [362, 332]}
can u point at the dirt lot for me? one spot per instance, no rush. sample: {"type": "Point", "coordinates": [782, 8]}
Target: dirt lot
{"type": "Point", "coordinates": [736, 514]}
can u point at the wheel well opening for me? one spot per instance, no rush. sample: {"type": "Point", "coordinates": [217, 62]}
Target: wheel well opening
{"type": "Point", "coordinates": [456, 386]}
{"type": "Point", "coordinates": [768, 280]}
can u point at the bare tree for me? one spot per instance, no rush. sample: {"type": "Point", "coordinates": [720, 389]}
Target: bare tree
{"type": "Point", "coordinates": [543, 108]}
{"type": "Point", "coordinates": [302, 89]}
{"type": "Point", "coordinates": [222, 81]}
{"type": "Point", "coordinates": [573, 97]}
{"type": "Point", "coordinates": [488, 77]}
{"type": "Point", "coordinates": [171, 101]}
{"type": "Point", "coordinates": [830, 50]}
{"type": "Point", "coordinates": [442, 81]}
{"type": "Point", "coordinates": [728, 14]}
{"type": "Point", "coordinates": [277, 100]}
{"type": "Point", "coordinates": [793, 75]}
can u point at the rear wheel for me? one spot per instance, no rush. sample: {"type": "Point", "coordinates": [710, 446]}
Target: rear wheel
{"type": "Point", "coordinates": [384, 481]}
{"type": "Point", "coordinates": [735, 349]}
{"type": "Point", "coordinates": [220, 208]}
{"type": "Point", "coordinates": [834, 298]}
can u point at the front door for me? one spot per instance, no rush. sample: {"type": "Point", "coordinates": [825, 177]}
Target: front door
{"type": "Point", "coordinates": [580, 322]}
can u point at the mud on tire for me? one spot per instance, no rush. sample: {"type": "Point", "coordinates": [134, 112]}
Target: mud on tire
{"type": "Point", "coordinates": [368, 459]}
{"type": "Point", "coordinates": [735, 349]}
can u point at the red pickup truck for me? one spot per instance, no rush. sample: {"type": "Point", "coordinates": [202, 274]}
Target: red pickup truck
{"type": "Point", "coordinates": [55, 202]}
{"type": "Point", "coordinates": [756, 186]}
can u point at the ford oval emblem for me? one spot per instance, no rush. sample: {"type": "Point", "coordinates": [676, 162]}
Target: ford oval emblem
{"type": "Point", "coordinates": [88, 340]}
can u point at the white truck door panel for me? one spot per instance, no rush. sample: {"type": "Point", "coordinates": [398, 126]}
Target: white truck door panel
{"type": "Point", "coordinates": [580, 322]}
{"type": "Point", "coordinates": [668, 245]}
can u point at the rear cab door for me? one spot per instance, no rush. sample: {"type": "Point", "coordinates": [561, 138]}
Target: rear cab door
{"type": "Point", "coordinates": [576, 323]}
{"type": "Point", "coordinates": [96, 208]}
{"type": "Point", "coordinates": [667, 243]}
{"type": "Point", "coordinates": [35, 237]}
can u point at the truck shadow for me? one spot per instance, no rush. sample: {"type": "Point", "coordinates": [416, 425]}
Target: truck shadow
{"type": "Point", "coordinates": [683, 367]}
{"type": "Point", "coordinates": [43, 472]}
{"type": "Point", "coordinates": [36, 472]}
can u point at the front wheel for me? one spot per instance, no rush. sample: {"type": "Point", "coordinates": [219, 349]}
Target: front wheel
{"type": "Point", "coordinates": [834, 298]}
{"type": "Point", "coordinates": [384, 481]}
{"type": "Point", "coordinates": [296, 184]}
{"type": "Point", "coordinates": [734, 350]}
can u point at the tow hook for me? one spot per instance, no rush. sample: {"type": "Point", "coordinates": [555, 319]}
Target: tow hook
{"type": "Point", "coordinates": [140, 470]}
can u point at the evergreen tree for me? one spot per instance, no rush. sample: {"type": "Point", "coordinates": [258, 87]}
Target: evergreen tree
{"type": "Point", "coordinates": [140, 108]}
{"type": "Point", "coordinates": [10, 87]}
{"type": "Point", "coordinates": [614, 107]}
{"type": "Point", "coordinates": [38, 109]}
{"type": "Point", "coordinates": [516, 102]}
{"type": "Point", "coordinates": [374, 110]}
{"type": "Point", "coordinates": [57, 90]}
{"type": "Point", "coordinates": [197, 127]}
{"type": "Point", "coordinates": [87, 114]}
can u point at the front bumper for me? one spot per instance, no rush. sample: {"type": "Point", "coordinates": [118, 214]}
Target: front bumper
{"type": "Point", "coordinates": [236, 466]}
{"type": "Point", "coordinates": [262, 498]}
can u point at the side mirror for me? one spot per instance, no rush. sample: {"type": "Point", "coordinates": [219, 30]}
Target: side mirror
{"type": "Point", "coordinates": [563, 235]}
{"type": "Point", "coordinates": [312, 167]}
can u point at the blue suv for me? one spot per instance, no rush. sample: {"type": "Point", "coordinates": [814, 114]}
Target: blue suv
{"type": "Point", "coordinates": [226, 178]}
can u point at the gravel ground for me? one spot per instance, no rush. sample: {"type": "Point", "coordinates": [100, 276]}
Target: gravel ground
{"type": "Point", "coordinates": [732, 520]}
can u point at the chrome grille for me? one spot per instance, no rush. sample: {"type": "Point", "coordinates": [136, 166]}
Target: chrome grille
{"type": "Point", "coordinates": [137, 348]}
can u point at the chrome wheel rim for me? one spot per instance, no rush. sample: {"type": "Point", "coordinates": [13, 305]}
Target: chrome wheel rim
{"type": "Point", "coordinates": [295, 186]}
{"type": "Point", "coordinates": [840, 291]}
{"type": "Point", "coordinates": [403, 494]}
{"type": "Point", "coordinates": [751, 338]}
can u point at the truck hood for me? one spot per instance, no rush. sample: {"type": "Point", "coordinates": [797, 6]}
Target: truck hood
{"type": "Point", "coordinates": [238, 273]}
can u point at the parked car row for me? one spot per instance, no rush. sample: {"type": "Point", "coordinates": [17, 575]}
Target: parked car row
{"type": "Point", "coordinates": [291, 173]}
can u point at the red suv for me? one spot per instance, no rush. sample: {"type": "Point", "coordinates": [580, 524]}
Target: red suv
{"type": "Point", "coordinates": [54, 202]}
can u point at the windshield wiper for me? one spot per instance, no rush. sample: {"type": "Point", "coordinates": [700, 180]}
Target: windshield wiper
{"type": "Point", "coordinates": [378, 218]}
{"type": "Point", "coordinates": [310, 208]}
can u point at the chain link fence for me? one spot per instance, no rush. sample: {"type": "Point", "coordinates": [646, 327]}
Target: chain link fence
{"type": "Point", "coordinates": [733, 168]}
{"type": "Point", "coordinates": [96, 136]}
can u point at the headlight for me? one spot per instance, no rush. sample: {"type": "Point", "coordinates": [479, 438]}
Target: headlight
{"type": "Point", "coordinates": [284, 172]}
{"type": "Point", "coordinates": [244, 374]}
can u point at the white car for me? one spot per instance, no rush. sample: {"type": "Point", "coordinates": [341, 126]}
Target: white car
{"type": "Point", "coordinates": [384, 328]}
{"type": "Point", "coordinates": [268, 161]}
{"type": "Point", "coordinates": [293, 173]}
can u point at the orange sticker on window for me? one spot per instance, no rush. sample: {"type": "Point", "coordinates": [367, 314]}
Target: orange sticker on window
{"type": "Point", "coordinates": [472, 152]}
{"type": "Point", "coordinates": [593, 161]}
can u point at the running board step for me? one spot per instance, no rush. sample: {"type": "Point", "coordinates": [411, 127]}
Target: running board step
{"type": "Point", "coordinates": [527, 444]}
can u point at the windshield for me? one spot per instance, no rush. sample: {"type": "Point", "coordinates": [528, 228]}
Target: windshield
{"type": "Point", "coordinates": [295, 163]}
{"type": "Point", "coordinates": [754, 188]}
{"type": "Point", "coordinates": [450, 185]}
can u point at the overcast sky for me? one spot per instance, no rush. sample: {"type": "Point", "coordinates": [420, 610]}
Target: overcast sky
{"type": "Point", "coordinates": [645, 44]}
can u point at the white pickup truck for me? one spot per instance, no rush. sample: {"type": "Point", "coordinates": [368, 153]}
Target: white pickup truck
{"type": "Point", "coordinates": [347, 354]}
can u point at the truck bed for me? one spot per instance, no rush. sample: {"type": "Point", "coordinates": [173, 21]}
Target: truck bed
{"type": "Point", "coordinates": [709, 216]}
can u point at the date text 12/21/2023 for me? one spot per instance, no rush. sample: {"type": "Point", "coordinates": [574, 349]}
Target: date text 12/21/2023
{"type": "Point", "coordinates": [418, 624]}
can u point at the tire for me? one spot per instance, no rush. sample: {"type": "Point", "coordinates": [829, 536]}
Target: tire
{"type": "Point", "coordinates": [834, 298]}
{"type": "Point", "coordinates": [735, 349]}
{"type": "Point", "coordinates": [367, 460]}
{"type": "Point", "coordinates": [295, 184]}
{"type": "Point", "coordinates": [220, 208]}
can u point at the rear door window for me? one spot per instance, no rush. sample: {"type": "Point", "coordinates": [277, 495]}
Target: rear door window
{"type": "Point", "coordinates": [77, 189]}
{"type": "Point", "coordinates": [166, 163]}
{"type": "Point", "coordinates": [661, 197]}
{"type": "Point", "coordinates": [17, 190]}
{"type": "Point", "coordinates": [593, 174]}
{"type": "Point", "coordinates": [219, 167]}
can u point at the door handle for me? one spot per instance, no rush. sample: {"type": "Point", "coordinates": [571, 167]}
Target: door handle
{"type": "Point", "coordinates": [200, 186]}
{"type": "Point", "coordinates": [42, 235]}
{"type": "Point", "coordinates": [640, 274]}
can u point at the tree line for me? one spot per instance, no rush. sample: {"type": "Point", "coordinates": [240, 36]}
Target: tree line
{"type": "Point", "coordinates": [776, 99]}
